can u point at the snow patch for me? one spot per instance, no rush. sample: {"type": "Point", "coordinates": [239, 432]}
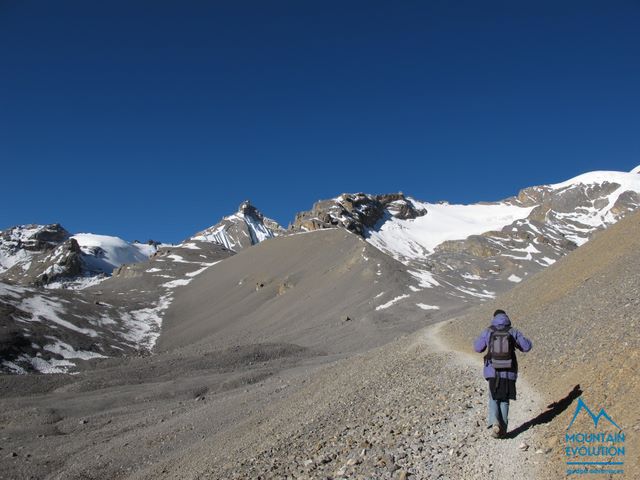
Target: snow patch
{"type": "Point", "coordinates": [177, 283]}
{"type": "Point", "coordinates": [104, 253]}
{"type": "Point", "coordinates": [144, 324]}
{"type": "Point", "coordinates": [189, 245]}
{"type": "Point", "coordinates": [424, 306]}
{"type": "Point", "coordinates": [177, 258]}
{"type": "Point", "coordinates": [392, 302]}
{"type": "Point", "coordinates": [425, 278]}
{"type": "Point", "coordinates": [66, 351]}
{"type": "Point", "coordinates": [46, 310]}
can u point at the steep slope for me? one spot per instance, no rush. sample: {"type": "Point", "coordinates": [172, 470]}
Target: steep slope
{"type": "Point", "coordinates": [582, 314]}
{"type": "Point", "coordinates": [244, 228]}
{"type": "Point", "coordinates": [328, 289]}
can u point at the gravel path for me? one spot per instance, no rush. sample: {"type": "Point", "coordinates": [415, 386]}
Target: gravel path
{"type": "Point", "coordinates": [512, 458]}
{"type": "Point", "coordinates": [412, 409]}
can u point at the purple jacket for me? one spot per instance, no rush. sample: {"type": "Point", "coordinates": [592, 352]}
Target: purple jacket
{"type": "Point", "coordinates": [522, 343]}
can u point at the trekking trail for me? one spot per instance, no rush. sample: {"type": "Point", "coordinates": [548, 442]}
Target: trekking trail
{"type": "Point", "coordinates": [412, 409]}
{"type": "Point", "coordinates": [521, 457]}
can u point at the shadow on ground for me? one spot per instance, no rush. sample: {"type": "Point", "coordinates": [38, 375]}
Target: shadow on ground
{"type": "Point", "coordinates": [553, 410]}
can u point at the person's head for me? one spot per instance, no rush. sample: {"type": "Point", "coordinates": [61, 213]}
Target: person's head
{"type": "Point", "coordinates": [498, 312]}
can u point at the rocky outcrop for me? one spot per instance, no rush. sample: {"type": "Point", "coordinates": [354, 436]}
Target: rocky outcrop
{"type": "Point", "coordinates": [63, 263]}
{"type": "Point", "coordinates": [33, 238]}
{"type": "Point", "coordinates": [18, 244]}
{"type": "Point", "coordinates": [355, 212]}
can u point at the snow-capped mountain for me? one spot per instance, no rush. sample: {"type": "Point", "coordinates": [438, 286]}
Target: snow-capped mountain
{"type": "Point", "coordinates": [243, 229]}
{"type": "Point", "coordinates": [433, 257]}
{"type": "Point", "coordinates": [475, 251]}
{"type": "Point", "coordinates": [54, 330]}
{"type": "Point", "coordinates": [48, 255]}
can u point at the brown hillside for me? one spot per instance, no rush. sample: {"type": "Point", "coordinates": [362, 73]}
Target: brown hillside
{"type": "Point", "coordinates": [582, 315]}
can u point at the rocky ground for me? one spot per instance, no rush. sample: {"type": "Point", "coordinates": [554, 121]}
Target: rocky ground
{"type": "Point", "coordinates": [582, 315]}
{"type": "Point", "coordinates": [412, 409]}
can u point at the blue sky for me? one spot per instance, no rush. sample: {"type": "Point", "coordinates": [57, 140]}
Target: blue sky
{"type": "Point", "coordinates": [155, 119]}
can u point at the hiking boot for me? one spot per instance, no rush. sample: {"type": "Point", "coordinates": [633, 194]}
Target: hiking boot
{"type": "Point", "coordinates": [496, 431]}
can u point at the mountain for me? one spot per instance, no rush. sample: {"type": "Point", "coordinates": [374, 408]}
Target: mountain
{"type": "Point", "coordinates": [48, 255]}
{"type": "Point", "coordinates": [59, 330]}
{"type": "Point", "coordinates": [257, 372]}
{"type": "Point", "coordinates": [243, 229]}
{"type": "Point", "coordinates": [473, 252]}
{"type": "Point", "coordinates": [417, 260]}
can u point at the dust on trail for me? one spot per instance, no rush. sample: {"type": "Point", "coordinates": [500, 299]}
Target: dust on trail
{"type": "Point", "coordinates": [505, 456]}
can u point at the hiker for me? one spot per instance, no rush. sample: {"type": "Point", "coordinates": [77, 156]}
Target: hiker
{"type": "Point", "coordinates": [500, 368]}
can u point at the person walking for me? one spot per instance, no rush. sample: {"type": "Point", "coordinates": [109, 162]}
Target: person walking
{"type": "Point", "coordinates": [500, 368]}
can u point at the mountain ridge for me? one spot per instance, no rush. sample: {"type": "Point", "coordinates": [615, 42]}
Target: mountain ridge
{"type": "Point", "coordinates": [453, 256]}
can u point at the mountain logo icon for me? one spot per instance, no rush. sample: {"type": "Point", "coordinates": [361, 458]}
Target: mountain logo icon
{"type": "Point", "coordinates": [596, 418]}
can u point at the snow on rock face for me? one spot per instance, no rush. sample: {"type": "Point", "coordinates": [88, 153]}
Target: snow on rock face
{"type": "Point", "coordinates": [588, 202]}
{"type": "Point", "coordinates": [244, 228]}
{"type": "Point", "coordinates": [47, 255]}
{"type": "Point", "coordinates": [474, 251]}
{"type": "Point", "coordinates": [103, 253]}
{"type": "Point", "coordinates": [19, 244]}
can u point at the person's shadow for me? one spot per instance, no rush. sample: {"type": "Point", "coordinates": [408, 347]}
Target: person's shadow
{"type": "Point", "coordinates": [553, 410]}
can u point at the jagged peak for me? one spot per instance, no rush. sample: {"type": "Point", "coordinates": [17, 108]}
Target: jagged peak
{"type": "Point", "coordinates": [247, 208]}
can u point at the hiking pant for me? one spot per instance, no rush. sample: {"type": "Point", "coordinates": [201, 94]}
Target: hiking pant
{"type": "Point", "coordinates": [498, 412]}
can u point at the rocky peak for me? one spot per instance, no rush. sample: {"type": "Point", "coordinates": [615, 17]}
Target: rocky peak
{"type": "Point", "coordinates": [34, 238]}
{"type": "Point", "coordinates": [248, 226]}
{"type": "Point", "coordinates": [246, 208]}
{"type": "Point", "coordinates": [355, 212]}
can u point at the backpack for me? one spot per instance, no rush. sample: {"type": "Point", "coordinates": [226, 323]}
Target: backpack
{"type": "Point", "coordinates": [500, 348]}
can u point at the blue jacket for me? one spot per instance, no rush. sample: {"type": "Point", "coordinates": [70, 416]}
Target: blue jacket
{"type": "Point", "coordinates": [522, 343]}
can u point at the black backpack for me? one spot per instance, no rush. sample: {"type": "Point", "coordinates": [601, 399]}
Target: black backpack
{"type": "Point", "coordinates": [501, 348]}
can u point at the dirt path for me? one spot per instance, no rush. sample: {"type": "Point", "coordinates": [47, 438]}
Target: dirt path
{"type": "Point", "coordinates": [413, 409]}
{"type": "Point", "coordinates": [508, 458]}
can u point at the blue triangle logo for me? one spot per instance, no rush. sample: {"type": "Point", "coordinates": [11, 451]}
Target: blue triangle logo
{"type": "Point", "coordinates": [596, 418]}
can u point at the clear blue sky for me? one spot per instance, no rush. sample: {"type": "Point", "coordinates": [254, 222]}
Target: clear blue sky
{"type": "Point", "coordinates": [154, 119]}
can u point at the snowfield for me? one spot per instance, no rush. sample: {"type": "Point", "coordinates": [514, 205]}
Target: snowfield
{"type": "Point", "coordinates": [415, 238]}
{"type": "Point", "coordinates": [105, 253]}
